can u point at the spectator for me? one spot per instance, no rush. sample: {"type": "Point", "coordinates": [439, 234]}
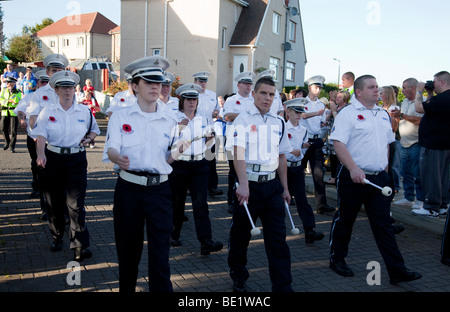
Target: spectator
{"type": "Point", "coordinates": [88, 88]}
{"type": "Point", "coordinates": [79, 95]}
{"type": "Point", "coordinates": [388, 98]}
{"type": "Point", "coordinates": [408, 127]}
{"type": "Point", "coordinates": [434, 144]}
{"type": "Point", "coordinates": [28, 84]}
{"type": "Point", "coordinates": [338, 100]}
{"type": "Point", "coordinates": [19, 81]}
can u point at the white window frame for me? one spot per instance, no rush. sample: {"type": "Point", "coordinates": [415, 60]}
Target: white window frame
{"type": "Point", "coordinates": [276, 22]}
{"type": "Point", "coordinates": [224, 38]}
{"type": "Point", "coordinates": [292, 31]}
{"type": "Point", "coordinates": [274, 64]}
{"type": "Point", "coordinates": [290, 71]}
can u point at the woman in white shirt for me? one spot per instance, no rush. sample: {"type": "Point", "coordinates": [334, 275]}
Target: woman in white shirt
{"type": "Point", "coordinates": [66, 127]}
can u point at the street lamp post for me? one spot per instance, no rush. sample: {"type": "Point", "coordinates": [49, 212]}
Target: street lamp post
{"type": "Point", "coordinates": [339, 72]}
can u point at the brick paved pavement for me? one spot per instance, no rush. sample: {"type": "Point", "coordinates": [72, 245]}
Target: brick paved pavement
{"type": "Point", "coordinates": [28, 265]}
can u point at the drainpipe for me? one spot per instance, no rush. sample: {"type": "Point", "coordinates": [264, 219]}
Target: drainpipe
{"type": "Point", "coordinates": [166, 18]}
{"type": "Point", "coordinates": [146, 28]}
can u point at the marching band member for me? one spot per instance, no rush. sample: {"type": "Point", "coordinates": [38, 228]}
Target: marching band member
{"type": "Point", "coordinates": [67, 127]}
{"type": "Point", "coordinates": [260, 143]}
{"type": "Point", "coordinates": [122, 99]}
{"type": "Point", "coordinates": [298, 137]}
{"type": "Point", "coordinates": [361, 135]}
{"type": "Point", "coordinates": [191, 170]}
{"type": "Point", "coordinates": [138, 143]}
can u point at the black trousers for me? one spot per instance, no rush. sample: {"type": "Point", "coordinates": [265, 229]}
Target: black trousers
{"type": "Point", "coordinates": [266, 203]}
{"type": "Point", "coordinates": [9, 129]}
{"type": "Point", "coordinates": [314, 155]}
{"type": "Point", "coordinates": [232, 177]}
{"type": "Point", "coordinates": [377, 206]}
{"type": "Point", "coordinates": [213, 180]}
{"type": "Point", "coordinates": [36, 171]}
{"type": "Point", "coordinates": [137, 208]}
{"type": "Point", "coordinates": [65, 181]}
{"type": "Point", "coordinates": [296, 185]}
{"type": "Point", "coordinates": [192, 175]}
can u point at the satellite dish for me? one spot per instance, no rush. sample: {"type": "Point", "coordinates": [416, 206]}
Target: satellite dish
{"type": "Point", "coordinates": [287, 46]}
{"type": "Point", "coordinates": [293, 11]}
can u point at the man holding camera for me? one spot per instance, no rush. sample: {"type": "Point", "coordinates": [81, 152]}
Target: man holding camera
{"type": "Point", "coordinates": [435, 150]}
{"type": "Point", "coordinates": [435, 143]}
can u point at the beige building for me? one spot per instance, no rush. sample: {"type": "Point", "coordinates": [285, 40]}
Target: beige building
{"type": "Point", "coordinates": [224, 37]}
{"type": "Point", "coordinates": [77, 37]}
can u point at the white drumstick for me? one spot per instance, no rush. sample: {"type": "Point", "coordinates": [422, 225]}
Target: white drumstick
{"type": "Point", "coordinates": [386, 191]}
{"type": "Point", "coordinates": [255, 230]}
{"type": "Point", "coordinates": [294, 230]}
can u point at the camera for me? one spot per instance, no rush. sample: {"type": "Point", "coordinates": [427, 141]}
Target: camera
{"type": "Point", "coordinates": [429, 85]}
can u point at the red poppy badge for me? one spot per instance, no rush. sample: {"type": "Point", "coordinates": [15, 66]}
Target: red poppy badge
{"type": "Point", "coordinates": [361, 118]}
{"type": "Point", "coordinates": [126, 129]}
{"type": "Point", "coordinates": [45, 98]}
{"type": "Point", "coordinates": [52, 119]}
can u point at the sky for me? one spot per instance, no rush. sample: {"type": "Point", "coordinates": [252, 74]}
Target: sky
{"type": "Point", "coordinates": [390, 39]}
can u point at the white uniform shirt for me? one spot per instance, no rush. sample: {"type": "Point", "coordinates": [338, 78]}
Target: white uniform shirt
{"type": "Point", "coordinates": [120, 100]}
{"type": "Point", "coordinates": [171, 107]}
{"type": "Point", "coordinates": [366, 134]}
{"type": "Point", "coordinates": [297, 136]}
{"type": "Point", "coordinates": [207, 104]}
{"type": "Point", "coordinates": [237, 104]}
{"type": "Point", "coordinates": [277, 104]}
{"type": "Point", "coordinates": [409, 132]}
{"type": "Point", "coordinates": [262, 136]}
{"type": "Point", "coordinates": [145, 138]}
{"type": "Point", "coordinates": [313, 124]}
{"type": "Point", "coordinates": [24, 103]}
{"type": "Point", "coordinates": [41, 98]}
{"type": "Point", "coordinates": [65, 128]}
{"type": "Point", "coordinates": [197, 127]}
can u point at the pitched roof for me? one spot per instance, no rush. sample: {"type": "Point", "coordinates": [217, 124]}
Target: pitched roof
{"type": "Point", "coordinates": [89, 23]}
{"type": "Point", "coordinates": [249, 23]}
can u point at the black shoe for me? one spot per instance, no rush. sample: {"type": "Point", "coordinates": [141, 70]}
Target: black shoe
{"type": "Point", "coordinates": [81, 253]}
{"type": "Point", "coordinates": [239, 286]}
{"type": "Point", "coordinates": [341, 268]}
{"type": "Point", "coordinates": [312, 236]}
{"type": "Point", "coordinates": [13, 150]}
{"type": "Point", "coordinates": [5, 147]}
{"type": "Point", "coordinates": [215, 192]}
{"type": "Point", "coordinates": [175, 242]}
{"type": "Point", "coordinates": [445, 261]}
{"type": "Point", "coordinates": [405, 276]}
{"type": "Point", "coordinates": [326, 209]}
{"type": "Point", "coordinates": [208, 246]}
{"type": "Point", "coordinates": [57, 245]}
{"type": "Point", "coordinates": [398, 228]}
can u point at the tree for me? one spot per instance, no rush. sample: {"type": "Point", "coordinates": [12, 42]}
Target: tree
{"type": "Point", "coordinates": [23, 48]}
{"type": "Point", "coordinates": [30, 30]}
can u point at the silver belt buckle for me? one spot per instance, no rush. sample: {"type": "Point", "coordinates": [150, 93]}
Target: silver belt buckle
{"type": "Point", "coordinates": [263, 178]}
{"type": "Point", "coordinates": [153, 180]}
{"type": "Point", "coordinates": [65, 151]}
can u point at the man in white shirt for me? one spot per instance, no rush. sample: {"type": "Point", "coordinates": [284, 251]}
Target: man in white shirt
{"type": "Point", "coordinates": [312, 120]}
{"type": "Point", "coordinates": [361, 135]}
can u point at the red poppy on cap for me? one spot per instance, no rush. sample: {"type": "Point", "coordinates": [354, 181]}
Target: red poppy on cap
{"type": "Point", "coordinates": [122, 100]}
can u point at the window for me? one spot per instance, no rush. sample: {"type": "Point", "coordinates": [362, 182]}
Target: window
{"type": "Point", "coordinates": [80, 41]}
{"type": "Point", "coordinates": [52, 43]}
{"type": "Point", "coordinates": [224, 38]}
{"type": "Point", "coordinates": [156, 52]}
{"type": "Point", "coordinates": [65, 42]}
{"type": "Point", "coordinates": [276, 23]}
{"type": "Point", "coordinates": [274, 65]}
{"type": "Point", "coordinates": [290, 71]}
{"type": "Point", "coordinates": [292, 30]}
